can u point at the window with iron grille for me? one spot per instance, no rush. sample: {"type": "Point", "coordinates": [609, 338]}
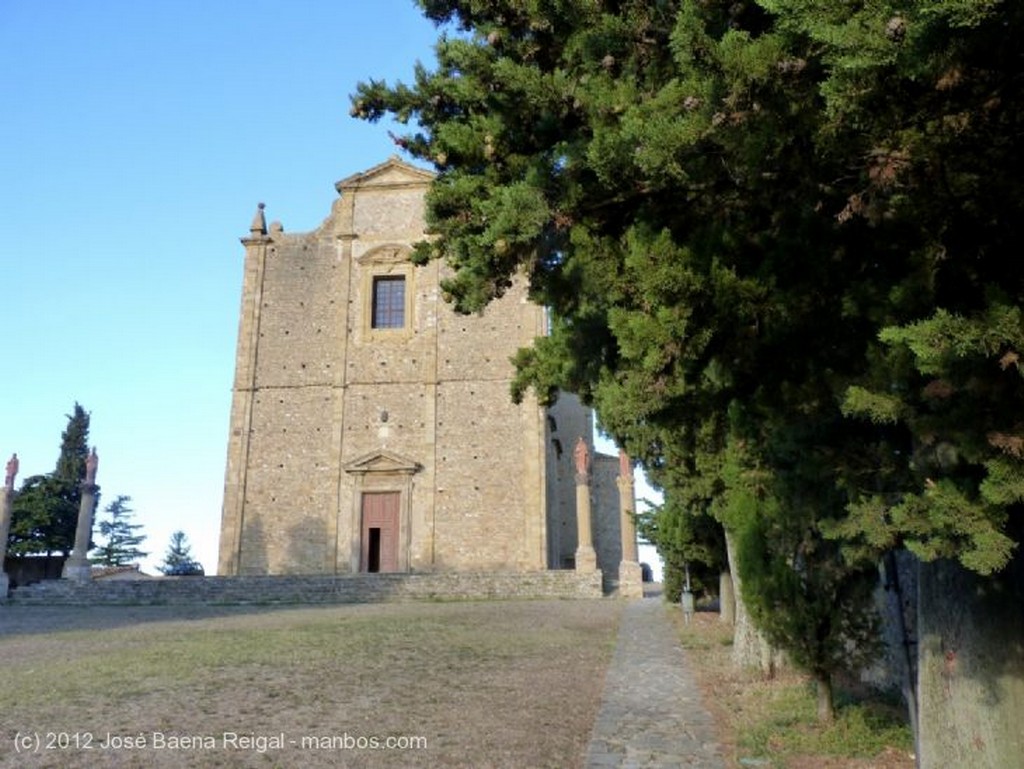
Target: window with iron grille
{"type": "Point", "coordinates": [389, 301]}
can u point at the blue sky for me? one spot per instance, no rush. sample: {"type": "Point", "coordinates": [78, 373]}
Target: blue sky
{"type": "Point", "coordinates": [136, 140]}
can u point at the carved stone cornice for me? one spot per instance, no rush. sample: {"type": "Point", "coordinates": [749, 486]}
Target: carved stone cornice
{"type": "Point", "coordinates": [382, 461]}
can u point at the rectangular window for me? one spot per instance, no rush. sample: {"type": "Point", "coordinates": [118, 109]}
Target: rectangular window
{"type": "Point", "coordinates": [389, 301]}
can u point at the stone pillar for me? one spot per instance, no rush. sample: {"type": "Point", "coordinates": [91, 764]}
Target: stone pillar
{"type": "Point", "coordinates": [243, 396]}
{"type": "Point", "coordinates": [586, 557]}
{"type": "Point", "coordinates": [77, 567]}
{"type": "Point", "coordinates": [631, 579]}
{"type": "Point", "coordinates": [6, 502]}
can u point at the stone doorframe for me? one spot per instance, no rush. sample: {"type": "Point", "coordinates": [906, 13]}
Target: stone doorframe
{"type": "Point", "coordinates": [378, 471]}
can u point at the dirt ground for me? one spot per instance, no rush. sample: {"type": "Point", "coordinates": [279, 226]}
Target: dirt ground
{"type": "Point", "coordinates": [488, 684]}
{"type": "Point", "coordinates": [739, 702]}
{"type": "Point", "coordinates": [478, 684]}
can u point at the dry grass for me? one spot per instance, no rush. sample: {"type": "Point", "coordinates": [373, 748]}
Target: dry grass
{"type": "Point", "coordinates": [499, 684]}
{"type": "Point", "coordinates": [772, 724]}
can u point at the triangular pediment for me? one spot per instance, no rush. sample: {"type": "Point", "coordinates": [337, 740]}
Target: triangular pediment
{"type": "Point", "coordinates": [382, 461]}
{"type": "Point", "coordinates": [390, 174]}
{"type": "Point", "coordinates": [390, 253]}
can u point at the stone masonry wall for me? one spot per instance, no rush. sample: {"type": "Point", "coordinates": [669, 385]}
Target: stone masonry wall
{"type": "Point", "coordinates": [319, 393]}
{"type": "Point", "coordinates": [291, 469]}
{"type": "Point", "coordinates": [604, 494]}
{"type": "Point", "coordinates": [327, 589]}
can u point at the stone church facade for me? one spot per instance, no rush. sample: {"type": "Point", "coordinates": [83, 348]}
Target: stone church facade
{"type": "Point", "coordinates": [372, 427]}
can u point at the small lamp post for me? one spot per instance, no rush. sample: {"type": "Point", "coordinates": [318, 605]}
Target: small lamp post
{"type": "Point", "coordinates": [687, 597]}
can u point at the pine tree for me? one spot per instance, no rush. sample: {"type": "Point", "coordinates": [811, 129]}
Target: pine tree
{"type": "Point", "coordinates": [178, 560]}
{"type": "Point", "coordinates": [122, 541]}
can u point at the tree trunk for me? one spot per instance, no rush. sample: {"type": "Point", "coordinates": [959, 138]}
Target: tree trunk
{"type": "Point", "coordinates": [899, 619]}
{"type": "Point", "coordinates": [750, 649]}
{"type": "Point", "coordinates": [971, 666]}
{"type": "Point", "coordinates": [726, 599]}
{"type": "Point", "coordinates": [826, 698]}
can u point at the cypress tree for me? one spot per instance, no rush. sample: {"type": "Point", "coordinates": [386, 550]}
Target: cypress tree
{"type": "Point", "coordinates": [74, 447]}
{"type": "Point", "coordinates": [779, 243]}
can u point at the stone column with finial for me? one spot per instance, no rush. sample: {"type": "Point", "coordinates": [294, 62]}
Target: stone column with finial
{"type": "Point", "coordinates": [77, 567]}
{"type": "Point", "coordinates": [631, 582]}
{"type": "Point", "coordinates": [6, 502]}
{"type": "Point", "coordinates": [258, 247]}
{"type": "Point", "coordinates": [586, 557]}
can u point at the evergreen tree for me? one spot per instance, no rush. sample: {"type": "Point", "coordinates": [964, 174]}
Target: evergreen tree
{"type": "Point", "coordinates": [178, 559]}
{"type": "Point", "coordinates": [122, 542]}
{"type": "Point", "coordinates": [688, 542]}
{"type": "Point", "coordinates": [44, 517]}
{"type": "Point", "coordinates": [44, 514]}
{"type": "Point", "coordinates": [74, 447]}
{"type": "Point", "coordinates": [724, 205]}
{"type": "Point", "coordinates": [628, 160]}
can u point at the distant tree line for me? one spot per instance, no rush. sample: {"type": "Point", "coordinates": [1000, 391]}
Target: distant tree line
{"type": "Point", "coordinates": [44, 513]}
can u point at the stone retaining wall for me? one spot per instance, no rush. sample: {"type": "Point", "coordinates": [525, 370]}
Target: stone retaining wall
{"type": "Point", "coordinates": [316, 589]}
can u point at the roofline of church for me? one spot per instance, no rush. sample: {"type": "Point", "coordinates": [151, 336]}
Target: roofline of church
{"type": "Point", "coordinates": [355, 181]}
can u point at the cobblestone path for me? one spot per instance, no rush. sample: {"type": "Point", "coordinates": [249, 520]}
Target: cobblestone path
{"type": "Point", "coordinates": [651, 716]}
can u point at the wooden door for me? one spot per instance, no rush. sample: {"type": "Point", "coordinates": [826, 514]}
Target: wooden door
{"type": "Point", "coordinates": [380, 531]}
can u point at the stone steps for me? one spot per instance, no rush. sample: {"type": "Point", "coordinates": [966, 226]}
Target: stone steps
{"type": "Point", "coordinates": [311, 589]}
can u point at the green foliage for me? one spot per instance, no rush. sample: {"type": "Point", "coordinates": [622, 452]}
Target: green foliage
{"type": "Point", "coordinates": [806, 595]}
{"type": "Point", "coordinates": [960, 386]}
{"type": "Point", "coordinates": [774, 721]}
{"type": "Point", "coordinates": [122, 543]}
{"type": "Point", "coordinates": [178, 558]}
{"type": "Point", "coordinates": [74, 447]}
{"type": "Point", "coordinates": [941, 341]}
{"type": "Point", "coordinates": [779, 243]}
{"type": "Point", "coordinates": [44, 513]}
{"type": "Point", "coordinates": [862, 729]}
{"type": "Point", "coordinates": [44, 516]}
{"type": "Point", "coordinates": [685, 542]}
{"type": "Point", "coordinates": [878, 407]}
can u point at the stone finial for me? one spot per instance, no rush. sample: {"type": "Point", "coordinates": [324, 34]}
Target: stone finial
{"type": "Point", "coordinates": [91, 463]}
{"type": "Point", "coordinates": [12, 470]}
{"type": "Point", "coordinates": [259, 222]}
